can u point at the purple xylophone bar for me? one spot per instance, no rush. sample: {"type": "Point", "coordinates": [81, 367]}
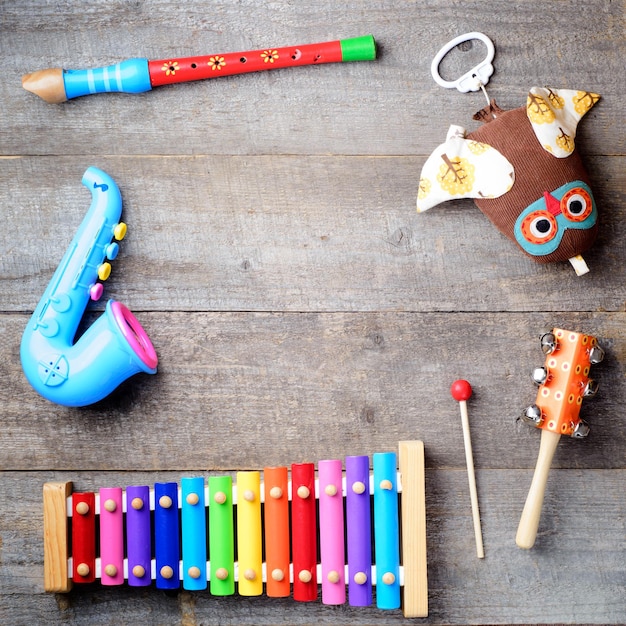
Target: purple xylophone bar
{"type": "Point", "coordinates": [358, 530]}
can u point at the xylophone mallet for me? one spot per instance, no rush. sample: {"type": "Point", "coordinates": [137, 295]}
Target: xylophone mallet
{"type": "Point", "coordinates": [461, 391]}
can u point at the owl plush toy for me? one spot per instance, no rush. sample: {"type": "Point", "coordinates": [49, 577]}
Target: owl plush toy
{"type": "Point", "coordinates": [524, 173]}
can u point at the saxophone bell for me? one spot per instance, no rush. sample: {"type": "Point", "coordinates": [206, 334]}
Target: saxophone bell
{"type": "Point", "coordinates": [115, 346]}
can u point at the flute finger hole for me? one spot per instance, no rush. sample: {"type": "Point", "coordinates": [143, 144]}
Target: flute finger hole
{"type": "Point", "coordinates": [242, 60]}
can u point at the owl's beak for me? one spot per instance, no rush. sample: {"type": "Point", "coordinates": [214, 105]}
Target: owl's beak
{"type": "Point", "coordinates": [552, 204]}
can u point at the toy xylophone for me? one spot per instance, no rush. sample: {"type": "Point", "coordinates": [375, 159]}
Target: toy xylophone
{"type": "Point", "coordinates": [217, 534]}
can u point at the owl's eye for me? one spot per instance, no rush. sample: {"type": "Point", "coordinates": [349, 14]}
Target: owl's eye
{"type": "Point", "coordinates": [576, 204]}
{"type": "Point", "coordinates": [539, 227]}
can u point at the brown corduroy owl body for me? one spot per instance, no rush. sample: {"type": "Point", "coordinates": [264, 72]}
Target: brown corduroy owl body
{"type": "Point", "coordinates": [524, 173]}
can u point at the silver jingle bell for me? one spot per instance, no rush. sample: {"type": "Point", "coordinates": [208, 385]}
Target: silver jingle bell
{"type": "Point", "coordinates": [596, 354]}
{"type": "Point", "coordinates": [581, 430]}
{"type": "Point", "coordinates": [540, 375]}
{"type": "Point", "coordinates": [591, 388]}
{"type": "Point", "coordinates": [548, 343]}
{"type": "Point", "coordinates": [532, 415]}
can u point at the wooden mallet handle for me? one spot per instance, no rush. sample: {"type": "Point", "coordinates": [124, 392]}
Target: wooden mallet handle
{"type": "Point", "coordinates": [529, 522]}
{"type": "Point", "coordinates": [461, 391]}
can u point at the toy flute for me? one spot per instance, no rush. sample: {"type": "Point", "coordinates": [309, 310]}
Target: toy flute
{"type": "Point", "coordinates": [138, 75]}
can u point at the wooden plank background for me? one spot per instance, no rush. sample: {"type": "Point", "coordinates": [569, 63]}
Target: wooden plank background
{"type": "Point", "coordinates": [300, 307]}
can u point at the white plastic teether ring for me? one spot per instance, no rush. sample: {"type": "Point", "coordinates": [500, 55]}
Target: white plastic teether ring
{"type": "Point", "coordinates": [478, 76]}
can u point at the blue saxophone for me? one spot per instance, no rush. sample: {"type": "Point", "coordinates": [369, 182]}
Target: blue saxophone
{"type": "Point", "coordinates": [115, 346]}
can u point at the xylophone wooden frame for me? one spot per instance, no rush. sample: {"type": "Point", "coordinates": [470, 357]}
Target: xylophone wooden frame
{"type": "Point", "coordinates": [411, 486]}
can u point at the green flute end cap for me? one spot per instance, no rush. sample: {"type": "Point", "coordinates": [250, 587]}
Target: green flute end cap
{"type": "Point", "coordinates": [358, 49]}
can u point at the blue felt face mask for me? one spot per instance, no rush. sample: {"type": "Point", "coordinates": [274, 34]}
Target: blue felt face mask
{"type": "Point", "coordinates": [540, 227]}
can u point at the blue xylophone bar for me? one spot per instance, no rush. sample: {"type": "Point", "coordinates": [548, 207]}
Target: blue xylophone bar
{"type": "Point", "coordinates": [166, 534]}
{"type": "Point", "coordinates": [386, 531]}
{"type": "Point", "coordinates": [193, 522]}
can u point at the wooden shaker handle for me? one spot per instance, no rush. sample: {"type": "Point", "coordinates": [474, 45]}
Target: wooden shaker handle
{"type": "Point", "coordinates": [529, 522]}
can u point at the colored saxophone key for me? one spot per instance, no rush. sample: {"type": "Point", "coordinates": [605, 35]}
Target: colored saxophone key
{"type": "Point", "coordinates": [218, 532]}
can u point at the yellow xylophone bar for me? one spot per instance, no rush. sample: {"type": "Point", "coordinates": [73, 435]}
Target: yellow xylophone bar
{"type": "Point", "coordinates": [62, 512]}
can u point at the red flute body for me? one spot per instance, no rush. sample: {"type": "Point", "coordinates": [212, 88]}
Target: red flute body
{"type": "Point", "coordinates": [169, 71]}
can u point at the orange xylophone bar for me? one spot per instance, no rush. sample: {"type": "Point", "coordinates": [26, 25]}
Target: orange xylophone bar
{"type": "Point", "coordinates": [272, 518]}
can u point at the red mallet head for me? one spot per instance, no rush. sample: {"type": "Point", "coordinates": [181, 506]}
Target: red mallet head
{"type": "Point", "coordinates": [461, 390]}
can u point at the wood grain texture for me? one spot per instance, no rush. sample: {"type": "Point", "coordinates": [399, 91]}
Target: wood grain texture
{"type": "Point", "coordinates": [294, 233]}
{"type": "Point", "coordinates": [413, 519]}
{"type": "Point", "coordinates": [300, 307]}
{"type": "Point", "coordinates": [56, 546]}
{"type": "Point", "coordinates": [237, 391]}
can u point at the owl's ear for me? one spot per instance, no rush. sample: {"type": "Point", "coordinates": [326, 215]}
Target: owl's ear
{"type": "Point", "coordinates": [554, 115]}
{"type": "Point", "coordinates": [463, 168]}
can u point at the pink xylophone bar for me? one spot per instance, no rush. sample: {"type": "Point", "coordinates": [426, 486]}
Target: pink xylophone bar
{"type": "Point", "coordinates": [388, 553]}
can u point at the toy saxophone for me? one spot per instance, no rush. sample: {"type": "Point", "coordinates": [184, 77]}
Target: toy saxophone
{"type": "Point", "coordinates": [115, 346]}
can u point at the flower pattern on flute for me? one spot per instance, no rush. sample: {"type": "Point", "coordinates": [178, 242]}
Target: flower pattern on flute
{"type": "Point", "coordinates": [269, 56]}
{"type": "Point", "coordinates": [217, 63]}
{"type": "Point", "coordinates": [170, 68]}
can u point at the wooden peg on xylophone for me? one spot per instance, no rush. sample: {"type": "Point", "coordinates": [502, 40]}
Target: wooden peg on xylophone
{"type": "Point", "coordinates": [219, 497]}
{"type": "Point", "coordinates": [165, 502]}
{"type": "Point", "coordinates": [82, 508]}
